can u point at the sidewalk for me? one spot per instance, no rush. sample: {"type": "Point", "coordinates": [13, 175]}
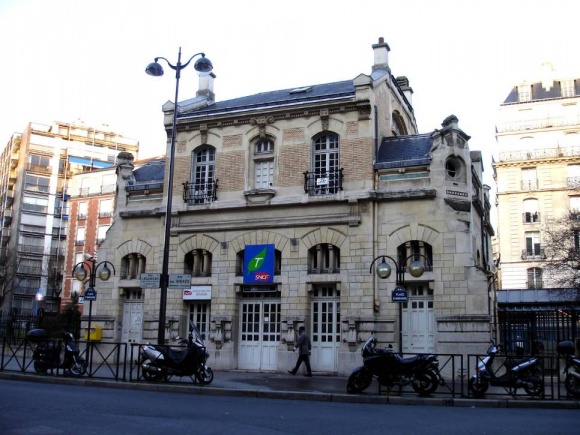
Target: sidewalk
{"type": "Point", "coordinates": [286, 386]}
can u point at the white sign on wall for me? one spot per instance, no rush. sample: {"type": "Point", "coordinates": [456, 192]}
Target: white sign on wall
{"type": "Point", "coordinates": [197, 293]}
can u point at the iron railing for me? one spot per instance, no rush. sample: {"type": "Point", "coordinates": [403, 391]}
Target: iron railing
{"type": "Point", "coordinates": [323, 182]}
{"type": "Point", "coordinates": [200, 193]}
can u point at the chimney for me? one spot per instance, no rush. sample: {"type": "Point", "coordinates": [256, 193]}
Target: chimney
{"type": "Point", "coordinates": [547, 75]}
{"type": "Point", "coordinates": [381, 55]}
{"type": "Point", "coordinates": [206, 87]}
{"type": "Point", "coordinates": [403, 83]}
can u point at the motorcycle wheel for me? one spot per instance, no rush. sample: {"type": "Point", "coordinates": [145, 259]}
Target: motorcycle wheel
{"type": "Point", "coordinates": [425, 384]}
{"type": "Point", "coordinates": [478, 386]}
{"type": "Point", "coordinates": [572, 386]}
{"type": "Point", "coordinates": [359, 381]}
{"type": "Point", "coordinates": [534, 386]}
{"type": "Point", "coordinates": [204, 376]}
{"type": "Point", "coordinates": [150, 376]}
{"type": "Point", "coordinates": [39, 367]}
{"type": "Point", "coordinates": [78, 369]}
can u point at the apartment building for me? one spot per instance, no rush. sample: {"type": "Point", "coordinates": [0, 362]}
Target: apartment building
{"type": "Point", "coordinates": [322, 184]}
{"type": "Point", "coordinates": [537, 174]}
{"type": "Point", "coordinates": [36, 170]}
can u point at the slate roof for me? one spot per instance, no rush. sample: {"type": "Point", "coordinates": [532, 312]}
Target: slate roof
{"type": "Point", "coordinates": [404, 151]}
{"type": "Point", "coordinates": [540, 93]}
{"type": "Point", "coordinates": [151, 171]}
{"type": "Point", "coordinates": [284, 97]}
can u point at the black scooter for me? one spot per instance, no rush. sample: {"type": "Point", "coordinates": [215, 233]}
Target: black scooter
{"type": "Point", "coordinates": [159, 362]}
{"type": "Point", "coordinates": [572, 369]}
{"type": "Point", "coordinates": [390, 369]}
{"type": "Point", "coordinates": [523, 373]}
{"type": "Point", "coordinates": [47, 353]}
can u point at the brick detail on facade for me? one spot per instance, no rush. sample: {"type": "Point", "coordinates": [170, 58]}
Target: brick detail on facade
{"type": "Point", "coordinates": [232, 141]}
{"type": "Point", "coordinates": [230, 170]}
{"type": "Point", "coordinates": [294, 161]}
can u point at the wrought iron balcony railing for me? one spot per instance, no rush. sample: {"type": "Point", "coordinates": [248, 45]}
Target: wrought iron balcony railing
{"type": "Point", "coordinates": [200, 193]}
{"type": "Point", "coordinates": [530, 218]}
{"type": "Point", "coordinates": [323, 182]}
{"type": "Point", "coordinates": [535, 254]}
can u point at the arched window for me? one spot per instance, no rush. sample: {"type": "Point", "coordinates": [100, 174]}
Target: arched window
{"type": "Point", "coordinates": [406, 251]}
{"type": "Point", "coordinates": [535, 278]}
{"type": "Point", "coordinates": [198, 262]}
{"type": "Point", "coordinates": [325, 164]}
{"type": "Point", "coordinates": [132, 266]}
{"type": "Point", "coordinates": [203, 185]}
{"type": "Point", "coordinates": [398, 126]}
{"type": "Point", "coordinates": [324, 258]}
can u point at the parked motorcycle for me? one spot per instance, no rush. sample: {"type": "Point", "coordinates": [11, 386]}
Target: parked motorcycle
{"type": "Point", "coordinates": [47, 353]}
{"type": "Point", "coordinates": [390, 369]}
{"type": "Point", "coordinates": [523, 373]}
{"type": "Point", "coordinates": [572, 369]}
{"type": "Point", "coordinates": [159, 362]}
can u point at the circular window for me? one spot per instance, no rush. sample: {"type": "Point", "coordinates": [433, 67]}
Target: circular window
{"type": "Point", "coordinates": [454, 168]}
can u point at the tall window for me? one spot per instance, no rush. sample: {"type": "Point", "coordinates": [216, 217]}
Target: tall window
{"type": "Point", "coordinates": [531, 214]}
{"type": "Point", "coordinates": [102, 233]}
{"type": "Point", "coordinates": [106, 208]}
{"type": "Point", "coordinates": [264, 164]}
{"type": "Point", "coordinates": [199, 316]}
{"type": "Point", "coordinates": [203, 175]}
{"type": "Point", "coordinates": [39, 205]}
{"type": "Point", "coordinates": [533, 247]}
{"type": "Point", "coordinates": [83, 210]}
{"type": "Point", "coordinates": [326, 162]}
{"type": "Point", "coordinates": [37, 184]}
{"type": "Point", "coordinates": [132, 266]}
{"type": "Point", "coordinates": [529, 179]}
{"type": "Point", "coordinates": [535, 278]}
{"type": "Point", "coordinates": [80, 237]}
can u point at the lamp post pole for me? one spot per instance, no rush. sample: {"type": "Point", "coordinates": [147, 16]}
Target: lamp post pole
{"type": "Point", "coordinates": [203, 66]}
{"type": "Point", "coordinates": [416, 269]}
{"type": "Point", "coordinates": [89, 268]}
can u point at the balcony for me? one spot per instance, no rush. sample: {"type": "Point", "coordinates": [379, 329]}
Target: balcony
{"type": "Point", "coordinates": [532, 124]}
{"type": "Point", "coordinates": [41, 169]}
{"type": "Point", "coordinates": [533, 254]}
{"type": "Point", "coordinates": [528, 185]}
{"type": "Point", "coordinates": [30, 249]}
{"type": "Point", "coordinates": [530, 218]}
{"type": "Point", "coordinates": [323, 182]}
{"type": "Point", "coordinates": [200, 193]}
{"type": "Point", "coordinates": [535, 284]}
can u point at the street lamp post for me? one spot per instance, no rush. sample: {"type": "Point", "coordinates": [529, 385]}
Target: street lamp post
{"type": "Point", "coordinates": [89, 268]}
{"type": "Point", "coordinates": [204, 67]}
{"type": "Point", "coordinates": [416, 269]}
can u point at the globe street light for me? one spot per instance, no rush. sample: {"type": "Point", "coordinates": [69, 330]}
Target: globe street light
{"type": "Point", "coordinates": [89, 268]}
{"type": "Point", "coordinates": [204, 67]}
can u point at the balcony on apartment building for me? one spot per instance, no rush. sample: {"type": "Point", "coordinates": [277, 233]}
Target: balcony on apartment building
{"type": "Point", "coordinates": [97, 190]}
{"type": "Point", "coordinates": [539, 154]}
{"type": "Point", "coordinates": [530, 218]}
{"type": "Point", "coordinates": [534, 124]}
{"type": "Point", "coordinates": [533, 254]}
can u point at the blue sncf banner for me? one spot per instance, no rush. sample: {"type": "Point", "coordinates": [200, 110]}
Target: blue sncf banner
{"type": "Point", "coordinates": [259, 264]}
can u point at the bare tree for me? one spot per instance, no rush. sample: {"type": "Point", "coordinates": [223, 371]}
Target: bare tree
{"type": "Point", "coordinates": [561, 266]}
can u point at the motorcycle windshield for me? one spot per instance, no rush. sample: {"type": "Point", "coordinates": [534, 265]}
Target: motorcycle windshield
{"type": "Point", "coordinates": [196, 336]}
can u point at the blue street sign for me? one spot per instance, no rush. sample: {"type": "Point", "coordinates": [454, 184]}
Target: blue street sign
{"type": "Point", "coordinates": [399, 294]}
{"type": "Point", "coordinates": [90, 294]}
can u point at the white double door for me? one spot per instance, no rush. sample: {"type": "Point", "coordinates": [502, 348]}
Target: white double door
{"type": "Point", "coordinates": [417, 321]}
{"type": "Point", "coordinates": [259, 334]}
{"type": "Point", "coordinates": [325, 328]}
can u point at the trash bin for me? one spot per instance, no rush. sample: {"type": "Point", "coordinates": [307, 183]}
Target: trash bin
{"type": "Point", "coordinates": [96, 333]}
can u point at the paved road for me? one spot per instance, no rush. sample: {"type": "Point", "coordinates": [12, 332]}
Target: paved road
{"type": "Point", "coordinates": [43, 409]}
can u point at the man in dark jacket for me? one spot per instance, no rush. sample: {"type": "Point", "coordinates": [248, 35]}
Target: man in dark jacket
{"type": "Point", "coordinates": [305, 346]}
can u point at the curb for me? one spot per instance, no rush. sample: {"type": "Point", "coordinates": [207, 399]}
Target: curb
{"type": "Point", "coordinates": [298, 395]}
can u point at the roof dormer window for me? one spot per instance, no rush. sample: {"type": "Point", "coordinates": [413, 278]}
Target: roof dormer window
{"type": "Point", "coordinates": [567, 87]}
{"type": "Point", "coordinates": [525, 93]}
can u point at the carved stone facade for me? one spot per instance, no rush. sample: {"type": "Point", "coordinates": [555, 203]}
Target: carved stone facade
{"type": "Point", "coordinates": [319, 173]}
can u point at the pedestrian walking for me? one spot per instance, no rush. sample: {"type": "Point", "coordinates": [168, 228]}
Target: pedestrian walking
{"type": "Point", "coordinates": [304, 346]}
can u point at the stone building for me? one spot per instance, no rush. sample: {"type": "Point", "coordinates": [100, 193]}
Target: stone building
{"type": "Point", "coordinates": [36, 168]}
{"type": "Point", "coordinates": [537, 174]}
{"type": "Point", "coordinates": [315, 183]}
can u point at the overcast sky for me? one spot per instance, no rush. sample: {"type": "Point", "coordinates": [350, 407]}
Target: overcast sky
{"type": "Point", "coordinates": [65, 60]}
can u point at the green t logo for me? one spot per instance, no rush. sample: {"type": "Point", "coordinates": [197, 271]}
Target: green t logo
{"type": "Point", "coordinates": [256, 262]}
